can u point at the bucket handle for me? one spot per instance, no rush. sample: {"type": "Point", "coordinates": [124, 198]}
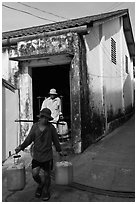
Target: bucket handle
{"type": "Point", "coordinates": [16, 157]}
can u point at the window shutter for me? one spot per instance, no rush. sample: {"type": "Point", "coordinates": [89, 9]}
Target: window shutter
{"type": "Point", "coordinates": [126, 64]}
{"type": "Point", "coordinates": [113, 51]}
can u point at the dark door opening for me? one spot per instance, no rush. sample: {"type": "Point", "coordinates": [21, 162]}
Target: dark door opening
{"type": "Point", "coordinates": [45, 78]}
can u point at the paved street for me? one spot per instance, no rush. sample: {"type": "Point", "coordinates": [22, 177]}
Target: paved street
{"type": "Point", "coordinates": [109, 164]}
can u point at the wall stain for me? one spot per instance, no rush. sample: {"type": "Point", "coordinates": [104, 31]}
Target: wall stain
{"type": "Point", "coordinates": [88, 123]}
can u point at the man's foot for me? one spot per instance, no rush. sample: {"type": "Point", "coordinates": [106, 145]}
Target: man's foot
{"type": "Point", "coordinates": [38, 192]}
{"type": "Point", "coordinates": [46, 196]}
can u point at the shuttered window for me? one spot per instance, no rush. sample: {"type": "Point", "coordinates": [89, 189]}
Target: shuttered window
{"type": "Point", "coordinates": [113, 51]}
{"type": "Point", "coordinates": [126, 64]}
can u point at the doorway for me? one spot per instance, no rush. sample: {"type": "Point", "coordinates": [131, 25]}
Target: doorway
{"type": "Point", "coordinates": [45, 78]}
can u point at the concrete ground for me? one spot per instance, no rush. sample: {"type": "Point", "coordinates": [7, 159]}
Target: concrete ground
{"type": "Point", "coordinates": [109, 164]}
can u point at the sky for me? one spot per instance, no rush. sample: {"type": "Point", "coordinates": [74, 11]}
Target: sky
{"type": "Point", "coordinates": [12, 20]}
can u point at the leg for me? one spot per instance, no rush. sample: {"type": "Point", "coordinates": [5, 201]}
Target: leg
{"type": "Point", "coordinates": [35, 174]}
{"type": "Point", "coordinates": [37, 178]}
{"type": "Point", "coordinates": [42, 176]}
{"type": "Point", "coordinates": [48, 168]}
{"type": "Point", "coordinates": [46, 195]}
{"type": "Point", "coordinates": [47, 181]}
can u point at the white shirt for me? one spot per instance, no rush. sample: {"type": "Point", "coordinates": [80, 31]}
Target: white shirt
{"type": "Point", "coordinates": [54, 105]}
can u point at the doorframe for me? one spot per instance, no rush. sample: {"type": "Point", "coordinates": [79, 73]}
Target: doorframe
{"type": "Point", "coordinates": [75, 101]}
{"type": "Point", "coordinates": [69, 65]}
{"type": "Point", "coordinates": [25, 78]}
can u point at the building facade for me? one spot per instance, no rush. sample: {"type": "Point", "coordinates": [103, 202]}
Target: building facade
{"type": "Point", "coordinates": [89, 61]}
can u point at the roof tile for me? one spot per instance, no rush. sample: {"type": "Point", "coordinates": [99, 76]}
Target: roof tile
{"type": "Point", "coordinates": [61, 25]}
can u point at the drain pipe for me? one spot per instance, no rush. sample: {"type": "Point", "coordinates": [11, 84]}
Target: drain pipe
{"type": "Point", "coordinates": [13, 41]}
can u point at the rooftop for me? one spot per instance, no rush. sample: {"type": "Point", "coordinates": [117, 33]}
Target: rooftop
{"type": "Point", "coordinates": [62, 25]}
{"type": "Point", "coordinates": [88, 20]}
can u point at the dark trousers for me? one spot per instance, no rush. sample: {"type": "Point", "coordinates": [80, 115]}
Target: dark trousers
{"type": "Point", "coordinates": [41, 172]}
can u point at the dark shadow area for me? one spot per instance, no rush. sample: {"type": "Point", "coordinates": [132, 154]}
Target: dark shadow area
{"type": "Point", "coordinates": [45, 78]}
{"type": "Point", "coordinates": [127, 89]}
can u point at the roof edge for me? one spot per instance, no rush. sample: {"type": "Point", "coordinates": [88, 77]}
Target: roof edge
{"type": "Point", "coordinates": [67, 23]}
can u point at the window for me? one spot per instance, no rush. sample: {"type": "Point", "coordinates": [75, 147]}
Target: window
{"type": "Point", "coordinates": [113, 51]}
{"type": "Point", "coordinates": [126, 64]}
{"type": "Point", "coordinates": [134, 71]}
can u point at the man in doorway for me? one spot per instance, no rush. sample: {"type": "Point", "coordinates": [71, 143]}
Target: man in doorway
{"type": "Point", "coordinates": [54, 104]}
{"type": "Point", "coordinates": [42, 133]}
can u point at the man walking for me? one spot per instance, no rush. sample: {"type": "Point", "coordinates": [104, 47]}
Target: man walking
{"type": "Point", "coordinates": [42, 133]}
{"type": "Point", "coordinates": [54, 104]}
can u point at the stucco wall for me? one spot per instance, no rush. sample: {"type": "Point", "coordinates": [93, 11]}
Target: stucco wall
{"type": "Point", "coordinates": [110, 88]}
{"type": "Point", "coordinates": [119, 92]}
{"type": "Point", "coordinates": [9, 68]}
{"type": "Point", "coordinates": [128, 86]}
{"type": "Point", "coordinates": [66, 43]}
{"type": "Point", "coordinates": [5, 64]}
{"type": "Point", "coordinates": [20, 75]}
{"type": "Point", "coordinates": [3, 125]}
{"type": "Point", "coordinates": [10, 128]}
{"type": "Point", "coordinates": [94, 69]}
{"type": "Point", "coordinates": [106, 82]}
{"type": "Point", "coordinates": [112, 72]}
{"type": "Point", "coordinates": [95, 83]}
{"type": "Point", "coordinates": [25, 91]}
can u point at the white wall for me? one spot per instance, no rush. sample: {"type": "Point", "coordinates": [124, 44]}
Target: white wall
{"type": "Point", "coordinates": [112, 72]}
{"type": "Point", "coordinates": [9, 67]}
{"type": "Point", "coordinates": [94, 69]}
{"type": "Point", "coordinates": [108, 90]}
{"type": "Point", "coordinates": [10, 128]}
{"type": "Point", "coordinates": [5, 64]}
{"type": "Point", "coordinates": [127, 78]}
{"type": "Point", "coordinates": [3, 125]}
{"type": "Point", "coordinates": [26, 111]}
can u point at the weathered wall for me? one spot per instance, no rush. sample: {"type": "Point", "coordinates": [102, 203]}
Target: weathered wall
{"type": "Point", "coordinates": [46, 45]}
{"type": "Point", "coordinates": [119, 92]}
{"type": "Point", "coordinates": [5, 64]}
{"type": "Point", "coordinates": [25, 91]}
{"type": "Point", "coordinates": [86, 127]}
{"type": "Point", "coordinates": [95, 84]}
{"type": "Point", "coordinates": [3, 125]}
{"type": "Point", "coordinates": [110, 88]}
{"type": "Point", "coordinates": [94, 69]}
{"type": "Point", "coordinates": [10, 106]}
{"type": "Point", "coordinates": [128, 81]}
{"type": "Point", "coordinates": [9, 127]}
{"type": "Point", "coordinates": [75, 96]}
{"type": "Point", "coordinates": [112, 72]}
{"type": "Point", "coordinates": [10, 68]}
{"type": "Point", "coordinates": [66, 43]}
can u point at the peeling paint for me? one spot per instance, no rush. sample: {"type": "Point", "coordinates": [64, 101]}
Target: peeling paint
{"type": "Point", "coordinates": [13, 52]}
{"type": "Point", "coordinates": [95, 100]}
{"type": "Point", "coordinates": [51, 45]}
{"type": "Point", "coordinates": [46, 45]}
{"type": "Point", "coordinates": [87, 106]}
{"type": "Point", "coordinates": [75, 95]}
